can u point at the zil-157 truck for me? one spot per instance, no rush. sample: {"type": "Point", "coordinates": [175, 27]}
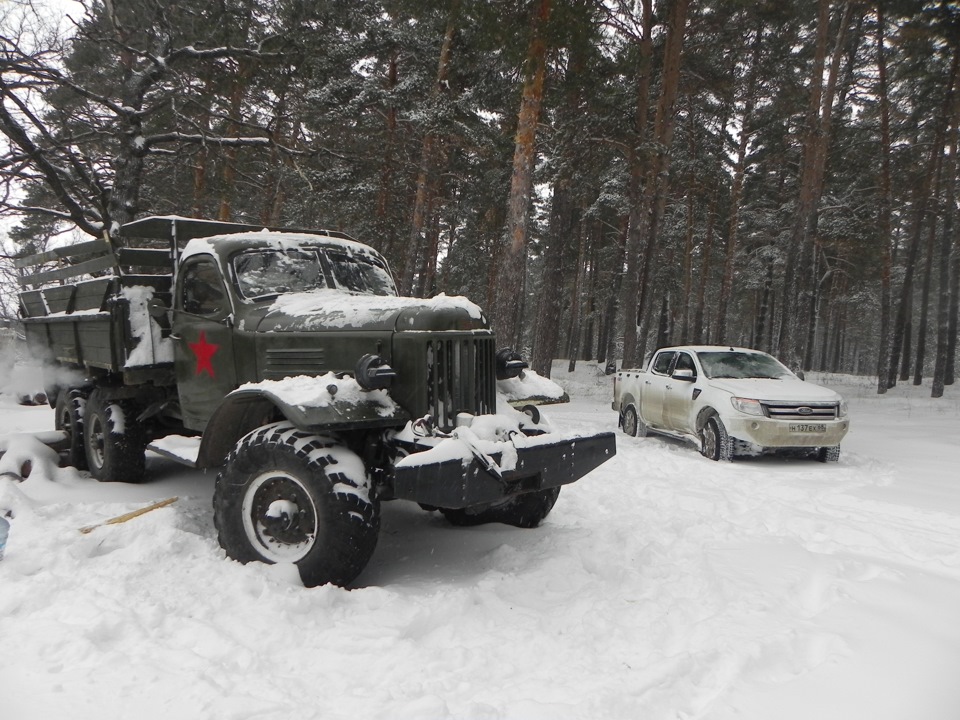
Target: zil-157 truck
{"type": "Point", "coordinates": [730, 401]}
{"type": "Point", "coordinates": [285, 359]}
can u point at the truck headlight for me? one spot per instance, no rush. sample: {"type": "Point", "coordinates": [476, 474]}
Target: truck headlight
{"type": "Point", "coordinates": [373, 373]}
{"type": "Point", "coordinates": [842, 409]}
{"type": "Point", "coordinates": [509, 364]}
{"type": "Point", "coordinates": [747, 406]}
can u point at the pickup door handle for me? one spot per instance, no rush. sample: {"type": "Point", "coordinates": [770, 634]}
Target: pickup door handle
{"type": "Point", "coordinates": [669, 387]}
{"type": "Point", "coordinates": [174, 336]}
{"type": "Point", "coordinates": [646, 382]}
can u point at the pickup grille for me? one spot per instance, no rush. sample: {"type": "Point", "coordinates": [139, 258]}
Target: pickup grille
{"type": "Point", "coordinates": [800, 411]}
{"type": "Point", "coordinates": [461, 377]}
{"type": "Point", "coordinates": [282, 363]}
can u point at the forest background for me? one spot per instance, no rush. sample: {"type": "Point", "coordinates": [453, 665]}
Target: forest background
{"type": "Point", "coordinates": [606, 176]}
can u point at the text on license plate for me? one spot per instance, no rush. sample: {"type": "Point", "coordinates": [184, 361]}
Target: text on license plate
{"type": "Point", "coordinates": [808, 428]}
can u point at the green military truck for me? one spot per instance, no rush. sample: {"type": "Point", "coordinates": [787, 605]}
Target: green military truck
{"type": "Point", "coordinates": [285, 359]}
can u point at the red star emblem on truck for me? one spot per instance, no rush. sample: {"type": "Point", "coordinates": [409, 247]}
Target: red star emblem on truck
{"type": "Point", "coordinates": [204, 351]}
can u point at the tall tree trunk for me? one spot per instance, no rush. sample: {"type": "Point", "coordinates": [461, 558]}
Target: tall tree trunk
{"type": "Point", "coordinates": [946, 239]}
{"type": "Point", "coordinates": [548, 312]}
{"type": "Point", "coordinates": [900, 335]}
{"type": "Point", "coordinates": [658, 174]}
{"type": "Point", "coordinates": [736, 189]}
{"type": "Point", "coordinates": [886, 202]}
{"type": "Point", "coordinates": [428, 152]}
{"type": "Point", "coordinates": [801, 254]}
{"type": "Point", "coordinates": [637, 161]}
{"type": "Point", "coordinates": [513, 250]}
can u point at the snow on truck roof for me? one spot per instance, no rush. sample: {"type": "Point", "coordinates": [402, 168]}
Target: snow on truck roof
{"type": "Point", "coordinates": [274, 239]}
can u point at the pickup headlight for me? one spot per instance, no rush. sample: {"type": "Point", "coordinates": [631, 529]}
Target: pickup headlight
{"type": "Point", "coordinates": [747, 406]}
{"type": "Point", "coordinates": [842, 409]}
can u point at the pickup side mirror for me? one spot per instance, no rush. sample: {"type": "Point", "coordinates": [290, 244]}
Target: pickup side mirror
{"type": "Point", "coordinates": [687, 375]}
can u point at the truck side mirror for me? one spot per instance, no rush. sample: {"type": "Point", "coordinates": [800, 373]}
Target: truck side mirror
{"type": "Point", "coordinates": [684, 374]}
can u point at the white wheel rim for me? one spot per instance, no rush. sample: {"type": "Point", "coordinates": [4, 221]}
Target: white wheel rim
{"type": "Point", "coordinates": [288, 531]}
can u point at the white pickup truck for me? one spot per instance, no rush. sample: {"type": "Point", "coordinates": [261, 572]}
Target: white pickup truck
{"type": "Point", "coordinates": [730, 401]}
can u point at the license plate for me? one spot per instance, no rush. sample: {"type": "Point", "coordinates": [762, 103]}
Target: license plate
{"type": "Point", "coordinates": [807, 428]}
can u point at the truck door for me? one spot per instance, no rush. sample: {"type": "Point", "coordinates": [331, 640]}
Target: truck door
{"type": "Point", "coordinates": [654, 388]}
{"type": "Point", "coordinates": [203, 335]}
{"type": "Point", "coordinates": [679, 393]}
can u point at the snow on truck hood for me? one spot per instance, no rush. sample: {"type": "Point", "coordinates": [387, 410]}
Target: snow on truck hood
{"type": "Point", "coordinates": [776, 389]}
{"type": "Point", "coordinates": [325, 309]}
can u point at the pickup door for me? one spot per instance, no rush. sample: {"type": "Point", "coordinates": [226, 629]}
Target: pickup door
{"type": "Point", "coordinates": [679, 394]}
{"type": "Point", "coordinates": [653, 392]}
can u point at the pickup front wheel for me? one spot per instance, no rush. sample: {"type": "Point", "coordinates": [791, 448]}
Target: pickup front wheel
{"type": "Point", "coordinates": [716, 443]}
{"type": "Point", "coordinates": [285, 496]}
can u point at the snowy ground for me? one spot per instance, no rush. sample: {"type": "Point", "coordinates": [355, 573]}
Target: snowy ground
{"type": "Point", "coordinates": [663, 585]}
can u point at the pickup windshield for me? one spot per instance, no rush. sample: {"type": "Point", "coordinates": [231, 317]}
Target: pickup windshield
{"type": "Point", "coordinates": [742, 365]}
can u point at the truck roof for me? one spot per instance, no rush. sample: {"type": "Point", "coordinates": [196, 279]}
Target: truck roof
{"type": "Point", "coordinates": [165, 227]}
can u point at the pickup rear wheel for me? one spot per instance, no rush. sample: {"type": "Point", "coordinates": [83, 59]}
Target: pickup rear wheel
{"type": "Point", "coordinates": [285, 496]}
{"type": "Point", "coordinates": [114, 442]}
{"type": "Point", "coordinates": [525, 511]}
{"type": "Point", "coordinates": [69, 418]}
{"type": "Point", "coordinates": [716, 443]}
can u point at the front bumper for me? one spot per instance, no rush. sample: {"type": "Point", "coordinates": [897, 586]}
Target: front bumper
{"type": "Point", "coordinates": [769, 433]}
{"type": "Point", "coordinates": [543, 462]}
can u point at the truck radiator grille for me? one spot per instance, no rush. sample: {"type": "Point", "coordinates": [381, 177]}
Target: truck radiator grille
{"type": "Point", "coordinates": [460, 378]}
{"type": "Point", "coordinates": [800, 411]}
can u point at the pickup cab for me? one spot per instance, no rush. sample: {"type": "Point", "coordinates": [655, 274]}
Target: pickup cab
{"type": "Point", "coordinates": [730, 401]}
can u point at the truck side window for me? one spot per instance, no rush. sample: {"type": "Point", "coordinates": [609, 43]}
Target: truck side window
{"type": "Point", "coordinates": [202, 290]}
{"type": "Point", "coordinates": [662, 364]}
{"type": "Point", "coordinates": [685, 362]}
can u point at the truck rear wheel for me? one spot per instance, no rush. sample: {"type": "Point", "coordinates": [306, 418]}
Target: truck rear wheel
{"type": "Point", "coordinates": [288, 496]}
{"type": "Point", "coordinates": [69, 418]}
{"type": "Point", "coordinates": [632, 423]}
{"type": "Point", "coordinates": [525, 511]}
{"type": "Point", "coordinates": [113, 441]}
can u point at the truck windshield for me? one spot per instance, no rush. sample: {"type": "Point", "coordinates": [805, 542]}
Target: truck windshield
{"type": "Point", "coordinates": [741, 365]}
{"type": "Point", "coordinates": [266, 273]}
{"type": "Point", "coordinates": [358, 273]}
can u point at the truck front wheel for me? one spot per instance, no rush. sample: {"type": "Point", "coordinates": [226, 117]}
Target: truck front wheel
{"type": "Point", "coordinates": [525, 511]}
{"type": "Point", "coordinates": [114, 442]}
{"type": "Point", "coordinates": [285, 496]}
{"type": "Point", "coordinates": [716, 443]}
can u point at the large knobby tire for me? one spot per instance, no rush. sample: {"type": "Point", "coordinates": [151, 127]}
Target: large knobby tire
{"type": "Point", "coordinates": [628, 421]}
{"type": "Point", "coordinates": [288, 496]}
{"type": "Point", "coordinates": [716, 443]}
{"type": "Point", "coordinates": [829, 454]}
{"type": "Point", "coordinates": [71, 404]}
{"type": "Point", "coordinates": [525, 511]}
{"type": "Point", "coordinates": [114, 442]}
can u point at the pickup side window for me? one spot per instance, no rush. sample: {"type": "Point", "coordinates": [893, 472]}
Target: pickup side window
{"type": "Point", "coordinates": [661, 365]}
{"type": "Point", "coordinates": [202, 290]}
{"type": "Point", "coordinates": [685, 362]}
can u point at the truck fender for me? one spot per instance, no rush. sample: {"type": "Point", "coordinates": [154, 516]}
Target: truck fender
{"type": "Point", "coordinates": [626, 400]}
{"type": "Point", "coordinates": [705, 414]}
{"type": "Point", "coordinates": [243, 411]}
